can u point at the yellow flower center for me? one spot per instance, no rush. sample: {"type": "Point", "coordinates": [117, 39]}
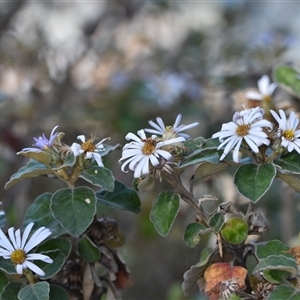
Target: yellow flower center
{"type": "Point", "coordinates": [242, 130]}
{"type": "Point", "coordinates": [149, 146]}
{"type": "Point", "coordinates": [289, 134]}
{"type": "Point", "coordinates": [88, 146]}
{"type": "Point", "coordinates": [169, 133]}
{"type": "Point", "coordinates": [18, 256]}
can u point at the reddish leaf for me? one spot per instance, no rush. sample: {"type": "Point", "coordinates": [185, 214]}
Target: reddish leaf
{"type": "Point", "coordinates": [222, 278]}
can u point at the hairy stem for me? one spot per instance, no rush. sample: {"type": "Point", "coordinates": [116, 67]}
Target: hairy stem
{"type": "Point", "coordinates": [186, 196]}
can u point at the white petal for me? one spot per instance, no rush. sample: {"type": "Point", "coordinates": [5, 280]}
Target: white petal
{"type": "Point", "coordinates": [130, 152]}
{"type": "Point", "coordinates": [98, 159]}
{"type": "Point", "coordinates": [235, 155]}
{"type": "Point", "coordinates": [142, 165]}
{"type": "Point", "coordinates": [142, 134]}
{"type": "Point", "coordinates": [35, 268]}
{"type": "Point", "coordinates": [131, 136]}
{"type": "Point", "coordinates": [253, 96]}
{"type": "Point", "coordinates": [26, 234]}
{"type": "Point", "coordinates": [19, 269]}
{"type": "Point", "coordinates": [40, 235]}
{"type": "Point", "coordinates": [154, 161]}
{"type": "Point", "coordinates": [186, 127]}
{"type": "Point", "coordinates": [39, 256]}
{"type": "Point", "coordinates": [164, 154]}
{"type": "Point", "coordinates": [251, 144]}
{"type": "Point", "coordinates": [263, 84]}
{"type": "Point", "coordinates": [161, 123]}
{"type": "Point", "coordinates": [5, 253]}
{"type": "Point", "coordinates": [272, 88]}
{"type": "Point", "coordinates": [134, 161]}
{"type": "Point", "coordinates": [5, 243]}
{"type": "Point", "coordinates": [76, 149]}
{"type": "Point", "coordinates": [18, 238]}
{"type": "Point", "coordinates": [11, 234]}
{"type": "Point", "coordinates": [81, 138]}
{"type": "Point", "coordinates": [177, 121]}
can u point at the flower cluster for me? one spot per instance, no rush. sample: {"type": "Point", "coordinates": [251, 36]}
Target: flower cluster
{"type": "Point", "coordinates": [248, 130]}
{"type": "Point", "coordinates": [142, 153]}
{"type": "Point", "coordinates": [87, 148]}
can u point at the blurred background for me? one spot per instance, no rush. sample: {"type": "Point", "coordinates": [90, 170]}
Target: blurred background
{"type": "Point", "coordinates": [107, 67]}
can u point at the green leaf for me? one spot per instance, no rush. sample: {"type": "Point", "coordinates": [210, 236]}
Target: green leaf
{"type": "Point", "coordinates": [99, 176]}
{"type": "Point", "coordinates": [3, 281]}
{"type": "Point", "coordinates": [69, 161]}
{"type": "Point", "coordinates": [51, 269]}
{"type": "Point", "coordinates": [289, 162]}
{"type": "Point", "coordinates": [276, 276]}
{"type": "Point", "coordinates": [253, 181]}
{"type": "Point", "coordinates": [211, 143]}
{"type": "Point", "coordinates": [194, 144]}
{"type": "Point", "coordinates": [109, 148]}
{"type": "Point", "coordinates": [2, 218]}
{"type": "Point", "coordinates": [32, 169]}
{"type": "Point", "coordinates": [11, 291]}
{"type": "Point", "coordinates": [193, 233]}
{"type": "Point", "coordinates": [122, 198]}
{"type": "Point", "coordinates": [207, 169]}
{"type": "Point", "coordinates": [40, 214]}
{"type": "Point", "coordinates": [196, 272]}
{"type": "Point", "coordinates": [286, 292]}
{"type": "Point", "coordinates": [57, 292]}
{"type": "Point", "coordinates": [293, 180]}
{"type": "Point", "coordinates": [274, 247]}
{"type": "Point", "coordinates": [277, 262]}
{"type": "Point", "coordinates": [235, 231]}
{"type": "Point", "coordinates": [74, 208]}
{"type": "Point", "coordinates": [288, 78]}
{"type": "Point", "coordinates": [88, 250]}
{"type": "Point", "coordinates": [164, 211]}
{"type": "Point", "coordinates": [63, 244]}
{"type": "Point", "coordinates": [37, 291]}
{"type": "Point", "coordinates": [216, 222]}
{"type": "Point", "coordinates": [42, 156]}
{"type": "Point", "coordinates": [7, 266]}
{"type": "Point", "coordinates": [203, 156]}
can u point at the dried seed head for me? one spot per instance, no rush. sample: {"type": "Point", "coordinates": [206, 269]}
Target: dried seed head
{"type": "Point", "coordinates": [163, 167]}
{"type": "Point", "coordinates": [228, 287]}
{"type": "Point", "coordinates": [263, 290]}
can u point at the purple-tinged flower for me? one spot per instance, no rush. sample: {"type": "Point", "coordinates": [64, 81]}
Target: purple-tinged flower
{"type": "Point", "coordinates": [42, 143]}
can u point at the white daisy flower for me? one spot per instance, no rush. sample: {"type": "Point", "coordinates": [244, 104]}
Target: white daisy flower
{"type": "Point", "coordinates": [246, 126]}
{"type": "Point", "coordinates": [290, 135]}
{"type": "Point", "coordinates": [18, 247]}
{"type": "Point", "coordinates": [89, 149]}
{"type": "Point", "coordinates": [170, 131]}
{"type": "Point", "coordinates": [265, 89]}
{"type": "Point", "coordinates": [142, 151]}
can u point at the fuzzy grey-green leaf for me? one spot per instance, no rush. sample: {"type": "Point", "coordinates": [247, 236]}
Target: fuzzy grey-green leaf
{"type": "Point", "coordinates": [164, 211]}
{"type": "Point", "coordinates": [74, 208]}
{"type": "Point", "coordinates": [253, 181]}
